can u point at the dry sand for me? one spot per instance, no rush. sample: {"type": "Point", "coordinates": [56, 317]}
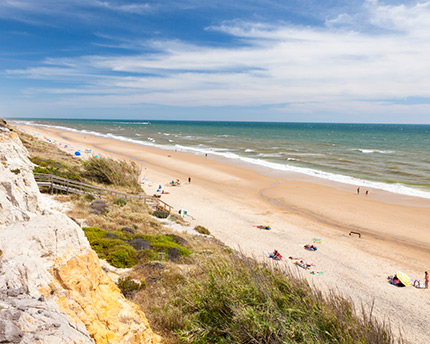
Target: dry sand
{"type": "Point", "coordinates": [229, 200]}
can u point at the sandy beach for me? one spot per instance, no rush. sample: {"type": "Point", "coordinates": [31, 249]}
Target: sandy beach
{"type": "Point", "coordinates": [230, 200]}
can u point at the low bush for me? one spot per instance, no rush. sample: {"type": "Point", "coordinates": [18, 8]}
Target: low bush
{"type": "Point", "coordinates": [89, 197]}
{"type": "Point", "coordinates": [116, 247]}
{"type": "Point", "coordinates": [160, 214]}
{"type": "Point", "coordinates": [50, 166]}
{"type": "Point", "coordinates": [202, 230]}
{"type": "Point", "coordinates": [120, 201]}
{"type": "Point", "coordinates": [122, 256]}
{"type": "Point", "coordinates": [112, 172]}
{"type": "Point", "coordinates": [128, 286]}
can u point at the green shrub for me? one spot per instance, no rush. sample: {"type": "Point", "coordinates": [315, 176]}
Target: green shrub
{"type": "Point", "coordinates": [202, 230]}
{"type": "Point", "coordinates": [114, 247]}
{"type": "Point", "coordinates": [16, 171]}
{"type": "Point", "coordinates": [112, 172]}
{"type": "Point", "coordinates": [160, 214]}
{"type": "Point", "coordinates": [164, 242]}
{"type": "Point", "coordinates": [54, 167]}
{"type": "Point", "coordinates": [89, 197]}
{"type": "Point", "coordinates": [122, 256]}
{"type": "Point", "coordinates": [128, 286]}
{"type": "Point", "coordinates": [120, 201]}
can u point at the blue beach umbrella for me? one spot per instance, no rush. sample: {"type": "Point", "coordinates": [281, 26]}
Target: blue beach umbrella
{"type": "Point", "coordinates": [77, 153]}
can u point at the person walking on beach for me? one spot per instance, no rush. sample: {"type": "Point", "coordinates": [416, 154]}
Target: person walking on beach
{"type": "Point", "coordinates": [426, 280]}
{"type": "Point", "coordinates": [189, 180]}
{"type": "Point", "coordinates": [358, 190]}
{"type": "Point", "coordinates": [367, 192]}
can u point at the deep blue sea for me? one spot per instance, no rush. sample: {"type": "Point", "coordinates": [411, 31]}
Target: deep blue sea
{"type": "Point", "coordinates": [391, 157]}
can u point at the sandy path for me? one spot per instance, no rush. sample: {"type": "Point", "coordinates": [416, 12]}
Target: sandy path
{"type": "Point", "coordinates": [229, 200]}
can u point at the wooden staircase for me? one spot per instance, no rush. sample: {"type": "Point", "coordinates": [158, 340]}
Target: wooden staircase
{"type": "Point", "coordinates": [70, 186]}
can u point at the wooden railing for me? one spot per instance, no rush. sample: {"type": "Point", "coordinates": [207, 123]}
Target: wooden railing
{"type": "Point", "coordinates": [70, 186]}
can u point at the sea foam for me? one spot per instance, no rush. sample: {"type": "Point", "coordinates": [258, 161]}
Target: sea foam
{"type": "Point", "coordinates": [226, 153]}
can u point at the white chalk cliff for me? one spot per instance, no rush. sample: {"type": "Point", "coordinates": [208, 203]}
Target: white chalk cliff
{"type": "Point", "coordinates": [52, 288]}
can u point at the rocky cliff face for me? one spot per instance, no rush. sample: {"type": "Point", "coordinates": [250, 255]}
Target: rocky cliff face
{"type": "Point", "coordinates": [18, 190]}
{"type": "Point", "coordinates": [52, 288]}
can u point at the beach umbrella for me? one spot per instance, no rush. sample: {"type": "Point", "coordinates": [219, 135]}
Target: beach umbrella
{"type": "Point", "coordinates": [403, 278]}
{"type": "Point", "coordinates": [77, 153]}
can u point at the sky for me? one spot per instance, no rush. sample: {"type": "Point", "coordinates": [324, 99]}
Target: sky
{"type": "Point", "coordinates": [267, 60]}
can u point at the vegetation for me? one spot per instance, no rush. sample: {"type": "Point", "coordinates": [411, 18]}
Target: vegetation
{"type": "Point", "coordinates": [202, 230]}
{"type": "Point", "coordinates": [161, 214]}
{"type": "Point", "coordinates": [128, 286]}
{"type": "Point", "coordinates": [178, 219]}
{"type": "Point", "coordinates": [124, 250]}
{"type": "Point", "coordinates": [52, 160]}
{"type": "Point", "coordinates": [112, 172]}
{"type": "Point", "coordinates": [120, 201]}
{"type": "Point", "coordinates": [230, 298]}
{"type": "Point", "coordinates": [57, 168]}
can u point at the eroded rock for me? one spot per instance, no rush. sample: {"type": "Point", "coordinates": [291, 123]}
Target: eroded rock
{"type": "Point", "coordinates": [52, 288]}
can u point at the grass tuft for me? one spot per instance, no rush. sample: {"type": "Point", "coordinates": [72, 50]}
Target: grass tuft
{"type": "Point", "coordinates": [112, 172]}
{"type": "Point", "coordinates": [202, 230]}
{"type": "Point", "coordinates": [235, 299]}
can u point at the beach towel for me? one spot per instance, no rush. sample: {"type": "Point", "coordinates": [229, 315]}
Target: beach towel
{"type": "Point", "coordinates": [317, 240]}
{"type": "Point", "coordinates": [418, 284]}
{"type": "Point", "coordinates": [268, 228]}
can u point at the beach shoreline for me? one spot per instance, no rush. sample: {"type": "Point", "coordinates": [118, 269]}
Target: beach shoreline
{"type": "Point", "coordinates": [229, 199]}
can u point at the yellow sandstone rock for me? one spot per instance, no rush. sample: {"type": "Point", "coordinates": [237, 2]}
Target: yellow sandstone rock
{"type": "Point", "coordinates": [88, 295]}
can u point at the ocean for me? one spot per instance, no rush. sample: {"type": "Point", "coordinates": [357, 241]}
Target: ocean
{"type": "Point", "coordinates": [391, 157]}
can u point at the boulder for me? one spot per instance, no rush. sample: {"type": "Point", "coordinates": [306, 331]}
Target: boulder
{"type": "Point", "coordinates": [173, 254]}
{"type": "Point", "coordinates": [140, 244]}
{"type": "Point", "coordinates": [98, 206]}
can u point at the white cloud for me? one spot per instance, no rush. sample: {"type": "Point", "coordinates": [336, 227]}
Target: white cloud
{"type": "Point", "coordinates": [330, 68]}
{"type": "Point", "coordinates": [130, 8]}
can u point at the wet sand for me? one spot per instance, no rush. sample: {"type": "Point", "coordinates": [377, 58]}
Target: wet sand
{"type": "Point", "coordinates": [230, 199]}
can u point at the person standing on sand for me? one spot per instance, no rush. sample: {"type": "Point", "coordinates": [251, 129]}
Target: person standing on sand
{"type": "Point", "coordinates": [358, 190]}
{"type": "Point", "coordinates": [367, 192]}
{"type": "Point", "coordinates": [189, 180]}
{"type": "Point", "coordinates": [426, 280]}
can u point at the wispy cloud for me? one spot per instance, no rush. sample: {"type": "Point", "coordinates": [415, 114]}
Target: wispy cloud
{"type": "Point", "coordinates": [364, 61]}
{"type": "Point", "coordinates": [136, 8]}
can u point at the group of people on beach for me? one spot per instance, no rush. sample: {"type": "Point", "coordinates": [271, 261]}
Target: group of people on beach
{"type": "Point", "coordinates": [358, 191]}
{"type": "Point", "coordinates": [299, 261]}
{"type": "Point", "coordinates": [398, 282]}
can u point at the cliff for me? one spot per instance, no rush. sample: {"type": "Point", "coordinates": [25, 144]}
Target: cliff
{"type": "Point", "coordinates": [52, 288]}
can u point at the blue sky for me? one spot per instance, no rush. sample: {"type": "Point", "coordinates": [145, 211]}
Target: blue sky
{"type": "Point", "coordinates": [268, 60]}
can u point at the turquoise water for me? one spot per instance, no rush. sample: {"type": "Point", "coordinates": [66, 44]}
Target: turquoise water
{"type": "Point", "coordinates": [390, 157]}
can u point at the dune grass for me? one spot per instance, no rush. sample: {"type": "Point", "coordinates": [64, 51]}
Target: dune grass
{"type": "Point", "coordinates": [235, 299]}
{"type": "Point", "coordinates": [112, 172]}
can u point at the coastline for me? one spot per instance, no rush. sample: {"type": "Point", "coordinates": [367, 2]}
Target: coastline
{"type": "Point", "coordinates": [230, 199]}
